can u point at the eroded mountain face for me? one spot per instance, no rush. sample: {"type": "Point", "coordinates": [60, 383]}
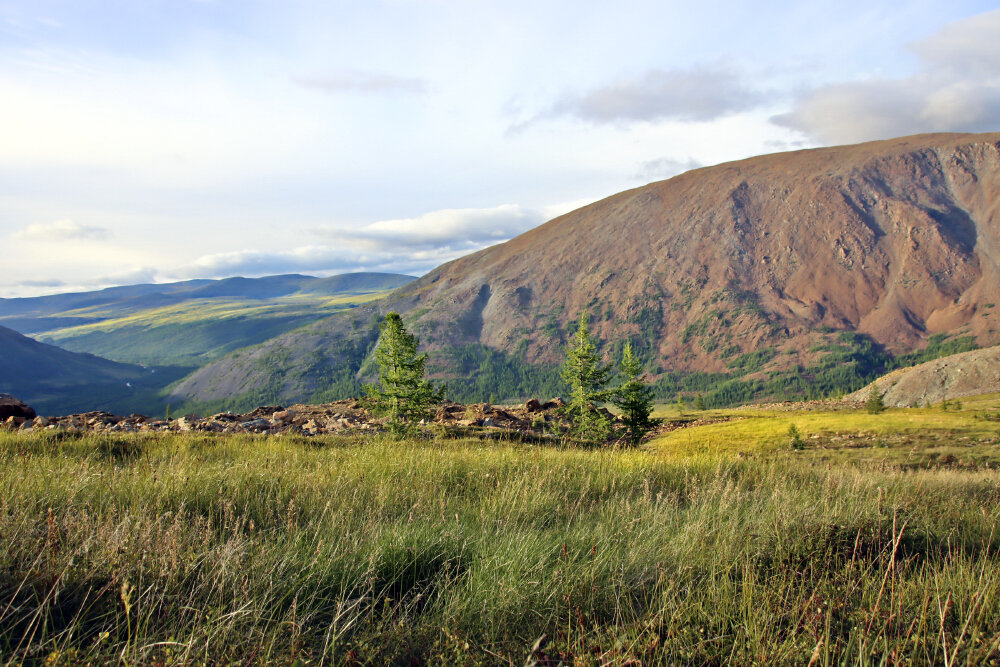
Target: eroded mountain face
{"type": "Point", "coordinates": [897, 239]}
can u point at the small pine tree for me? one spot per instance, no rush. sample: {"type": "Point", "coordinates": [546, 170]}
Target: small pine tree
{"type": "Point", "coordinates": [401, 393]}
{"type": "Point", "coordinates": [874, 404]}
{"type": "Point", "coordinates": [795, 438]}
{"type": "Point", "coordinates": [680, 403]}
{"type": "Point", "coordinates": [586, 376]}
{"type": "Point", "coordinates": [699, 402]}
{"type": "Point", "coordinates": [634, 398]}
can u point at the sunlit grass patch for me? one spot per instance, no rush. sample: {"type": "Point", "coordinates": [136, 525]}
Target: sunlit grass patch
{"type": "Point", "coordinates": [748, 431]}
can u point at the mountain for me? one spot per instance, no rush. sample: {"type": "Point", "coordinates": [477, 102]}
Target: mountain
{"type": "Point", "coordinates": [55, 311]}
{"type": "Point", "coordinates": [802, 271]}
{"type": "Point", "coordinates": [955, 376]}
{"type": "Point", "coordinates": [189, 323]}
{"type": "Point", "coordinates": [56, 381]}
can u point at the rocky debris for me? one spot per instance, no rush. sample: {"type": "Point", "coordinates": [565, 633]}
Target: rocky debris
{"type": "Point", "coordinates": [948, 378]}
{"type": "Point", "coordinates": [14, 407]}
{"type": "Point", "coordinates": [824, 405]}
{"type": "Point", "coordinates": [532, 420]}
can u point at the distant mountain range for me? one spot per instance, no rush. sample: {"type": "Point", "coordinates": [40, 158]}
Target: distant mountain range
{"type": "Point", "coordinates": [157, 333]}
{"type": "Point", "coordinates": [781, 275]}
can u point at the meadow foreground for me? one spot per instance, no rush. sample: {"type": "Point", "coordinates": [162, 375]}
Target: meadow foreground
{"type": "Point", "coordinates": [874, 542]}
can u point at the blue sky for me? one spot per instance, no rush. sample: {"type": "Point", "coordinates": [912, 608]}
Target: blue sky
{"type": "Point", "coordinates": [158, 140]}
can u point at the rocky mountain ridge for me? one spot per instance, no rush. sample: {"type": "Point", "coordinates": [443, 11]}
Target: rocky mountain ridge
{"type": "Point", "coordinates": [897, 240]}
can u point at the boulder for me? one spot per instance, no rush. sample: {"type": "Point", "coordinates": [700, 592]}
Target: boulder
{"type": "Point", "coordinates": [533, 405]}
{"type": "Point", "coordinates": [14, 407]}
{"type": "Point", "coordinates": [185, 424]}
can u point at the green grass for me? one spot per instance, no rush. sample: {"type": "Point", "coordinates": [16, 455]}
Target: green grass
{"type": "Point", "coordinates": [193, 549]}
{"type": "Point", "coordinates": [895, 432]}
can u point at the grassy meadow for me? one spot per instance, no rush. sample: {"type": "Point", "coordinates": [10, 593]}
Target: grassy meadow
{"type": "Point", "coordinates": [875, 543]}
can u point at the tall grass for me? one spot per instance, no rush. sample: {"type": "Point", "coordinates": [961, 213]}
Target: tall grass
{"type": "Point", "coordinates": [184, 549]}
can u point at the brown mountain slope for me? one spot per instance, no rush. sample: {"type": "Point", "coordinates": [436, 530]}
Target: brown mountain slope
{"type": "Point", "coordinates": [955, 376]}
{"type": "Point", "coordinates": [898, 239]}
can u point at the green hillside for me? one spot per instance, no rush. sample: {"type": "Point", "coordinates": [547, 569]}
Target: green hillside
{"type": "Point", "coordinates": [189, 323]}
{"type": "Point", "coordinates": [118, 349]}
{"type": "Point", "coordinates": [195, 331]}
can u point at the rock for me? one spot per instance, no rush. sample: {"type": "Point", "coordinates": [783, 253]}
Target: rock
{"type": "Point", "coordinates": [554, 403]}
{"type": "Point", "coordinates": [489, 422]}
{"type": "Point", "coordinates": [257, 425]}
{"type": "Point", "coordinates": [283, 416]}
{"type": "Point", "coordinates": [14, 407]}
{"type": "Point", "coordinates": [41, 422]}
{"type": "Point", "coordinates": [185, 424]}
{"type": "Point", "coordinates": [533, 405]}
{"type": "Point", "coordinates": [310, 427]}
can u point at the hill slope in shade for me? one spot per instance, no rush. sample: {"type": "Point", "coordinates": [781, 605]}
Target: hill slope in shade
{"type": "Point", "coordinates": [955, 376]}
{"type": "Point", "coordinates": [55, 381]}
{"type": "Point", "coordinates": [898, 240]}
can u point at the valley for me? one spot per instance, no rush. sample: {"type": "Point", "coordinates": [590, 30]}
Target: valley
{"type": "Point", "coordinates": [118, 349]}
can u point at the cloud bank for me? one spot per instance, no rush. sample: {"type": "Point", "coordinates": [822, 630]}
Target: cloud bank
{"type": "Point", "coordinates": [701, 93]}
{"type": "Point", "coordinates": [408, 245]}
{"type": "Point", "coordinates": [955, 89]}
{"type": "Point", "coordinates": [61, 230]}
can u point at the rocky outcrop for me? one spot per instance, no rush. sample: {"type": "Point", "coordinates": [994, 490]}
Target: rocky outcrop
{"type": "Point", "coordinates": [344, 417]}
{"type": "Point", "coordinates": [14, 407]}
{"type": "Point", "coordinates": [956, 376]}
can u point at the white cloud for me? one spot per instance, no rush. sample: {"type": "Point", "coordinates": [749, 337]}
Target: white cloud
{"type": "Point", "coordinates": [61, 230]}
{"type": "Point", "coordinates": [449, 228]}
{"type": "Point", "coordinates": [956, 89]}
{"type": "Point", "coordinates": [409, 245]}
{"type": "Point", "coordinates": [701, 93]}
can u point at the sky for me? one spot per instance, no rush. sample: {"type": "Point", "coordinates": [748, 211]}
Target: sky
{"type": "Point", "coordinates": [163, 140]}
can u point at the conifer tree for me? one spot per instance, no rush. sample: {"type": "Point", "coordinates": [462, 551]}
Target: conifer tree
{"type": "Point", "coordinates": [874, 404]}
{"type": "Point", "coordinates": [586, 377]}
{"type": "Point", "coordinates": [634, 398]}
{"type": "Point", "coordinates": [401, 393]}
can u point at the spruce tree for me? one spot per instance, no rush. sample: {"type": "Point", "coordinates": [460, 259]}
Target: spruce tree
{"type": "Point", "coordinates": [586, 377]}
{"type": "Point", "coordinates": [634, 398]}
{"type": "Point", "coordinates": [401, 393]}
{"type": "Point", "coordinates": [874, 404]}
